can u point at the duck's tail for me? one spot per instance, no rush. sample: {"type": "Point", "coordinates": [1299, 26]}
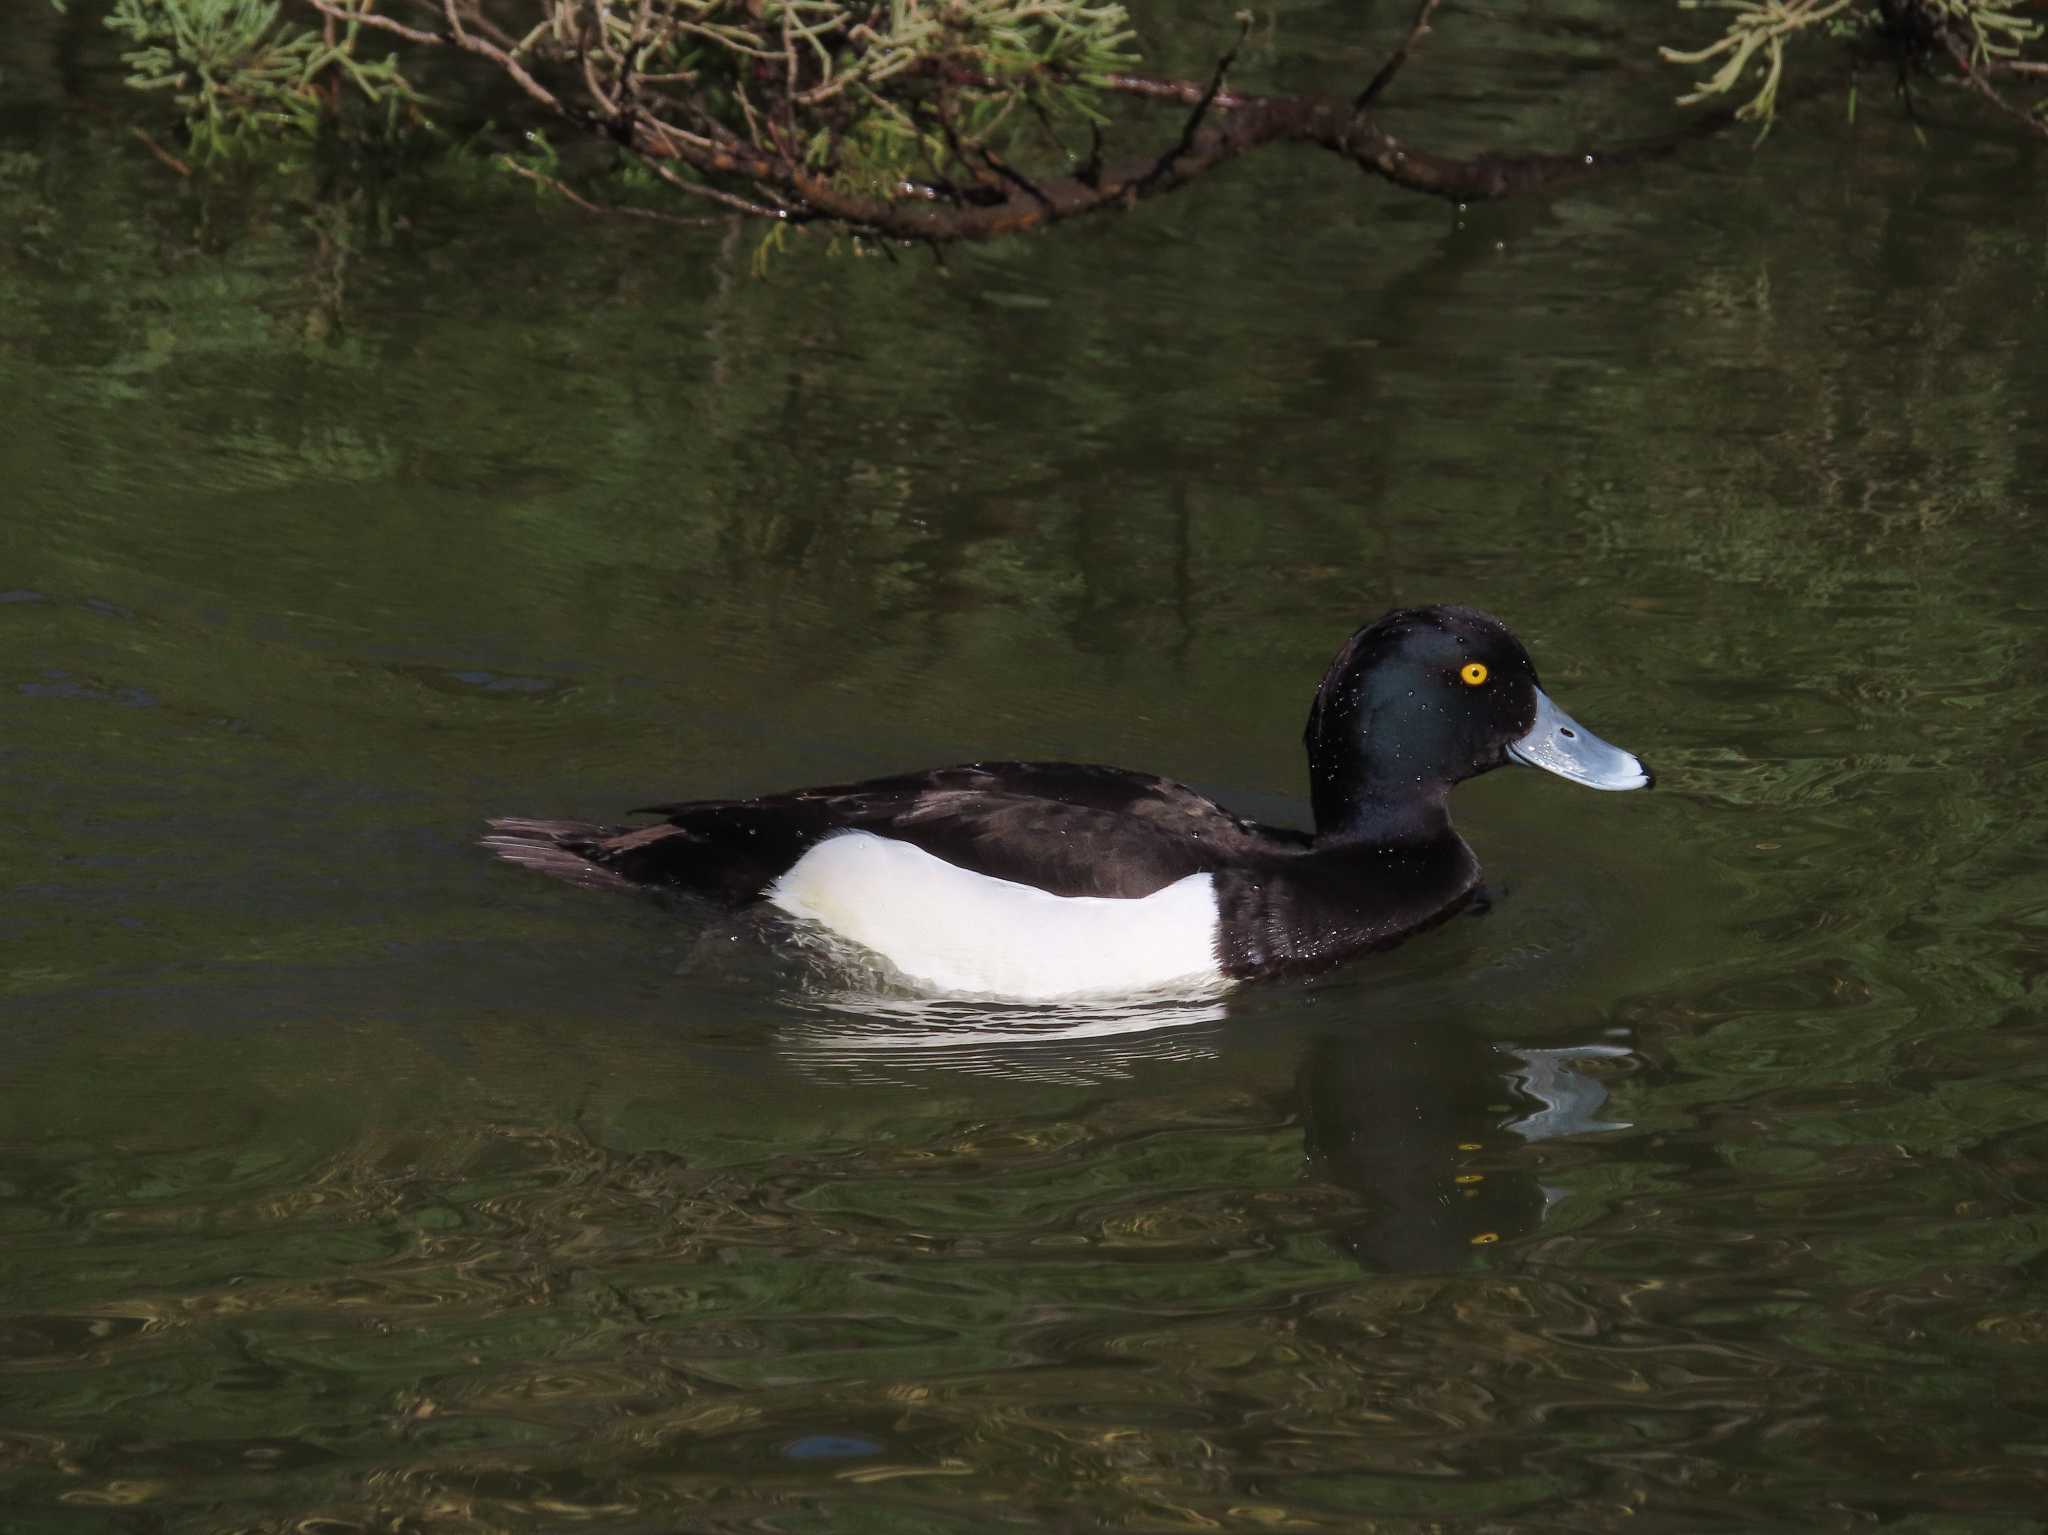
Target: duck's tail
{"type": "Point", "coordinates": [562, 849]}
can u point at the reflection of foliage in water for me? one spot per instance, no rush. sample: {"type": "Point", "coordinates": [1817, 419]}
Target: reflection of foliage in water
{"type": "Point", "coordinates": [534, 1304]}
{"type": "Point", "coordinates": [497, 1325]}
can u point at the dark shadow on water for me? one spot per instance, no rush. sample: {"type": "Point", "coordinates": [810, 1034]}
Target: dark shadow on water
{"type": "Point", "coordinates": [1427, 1122]}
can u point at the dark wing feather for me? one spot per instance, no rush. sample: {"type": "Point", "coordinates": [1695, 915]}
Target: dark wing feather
{"type": "Point", "coordinates": [1067, 828]}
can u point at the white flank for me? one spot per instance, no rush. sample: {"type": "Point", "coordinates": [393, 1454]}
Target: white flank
{"type": "Point", "coordinates": [953, 930]}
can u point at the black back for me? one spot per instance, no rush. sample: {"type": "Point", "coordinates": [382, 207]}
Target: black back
{"type": "Point", "coordinates": [1068, 828]}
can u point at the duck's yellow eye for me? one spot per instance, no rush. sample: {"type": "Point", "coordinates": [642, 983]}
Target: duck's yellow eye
{"type": "Point", "coordinates": [1472, 673]}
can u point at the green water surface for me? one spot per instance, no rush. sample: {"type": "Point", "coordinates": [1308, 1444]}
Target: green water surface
{"type": "Point", "coordinates": [350, 1180]}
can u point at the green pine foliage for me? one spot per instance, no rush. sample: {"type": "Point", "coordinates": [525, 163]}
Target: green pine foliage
{"type": "Point", "coordinates": [781, 107]}
{"type": "Point", "coordinates": [1750, 52]}
{"type": "Point", "coordinates": [243, 72]}
{"type": "Point", "coordinates": [867, 89]}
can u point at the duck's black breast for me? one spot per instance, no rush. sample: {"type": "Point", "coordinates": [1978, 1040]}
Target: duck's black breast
{"type": "Point", "coordinates": [1067, 828]}
{"type": "Point", "coordinates": [1317, 909]}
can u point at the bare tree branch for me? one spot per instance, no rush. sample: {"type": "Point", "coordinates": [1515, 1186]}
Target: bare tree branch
{"type": "Point", "coordinates": [782, 166]}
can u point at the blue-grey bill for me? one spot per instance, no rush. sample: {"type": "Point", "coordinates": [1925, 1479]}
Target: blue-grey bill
{"type": "Point", "coordinates": [1559, 744]}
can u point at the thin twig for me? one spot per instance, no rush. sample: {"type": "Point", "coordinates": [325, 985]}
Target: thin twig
{"type": "Point", "coordinates": [162, 153]}
{"type": "Point", "coordinates": [1186, 92]}
{"type": "Point", "coordinates": [479, 22]}
{"type": "Point", "coordinates": [372, 19]}
{"type": "Point", "coordinates": [1090, 174]}
{"type": "Point", "coordinates": [588, 206]}
{"type": "Point", "coordinates": [1193, 124]}
{"type": "Point", "coordinates": [1975, 79]}
{"type": "Point", "coordinates": [597, 92]}
{"type": "Point", "coordinates": [1417, 31]}
{"type": "Point", "coordinates": [1015, 177]}
{"type": "Point", "coordinates": [954, 146]}
{"type": "Point", "coordinates": [456, 36]}
{"type": "Point", "coordinates": [502, 59]}
{"type": "Point", "coordinates": [669, 135]}
{"type": "Point", "coordinates": [731, 200]}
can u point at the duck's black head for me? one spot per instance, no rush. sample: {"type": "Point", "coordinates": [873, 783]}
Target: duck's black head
{"type": "Point", "coordinates": [1425, 698]}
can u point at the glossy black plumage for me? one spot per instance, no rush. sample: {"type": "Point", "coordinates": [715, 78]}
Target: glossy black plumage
{"type": "Point", "coordinates": [1392, 729]}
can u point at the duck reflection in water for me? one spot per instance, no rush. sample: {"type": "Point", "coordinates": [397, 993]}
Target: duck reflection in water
{"type": "Point", "coordinates": [1426, 1122]}
{"type": "Point", "coordinates": [1429, 1124]}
